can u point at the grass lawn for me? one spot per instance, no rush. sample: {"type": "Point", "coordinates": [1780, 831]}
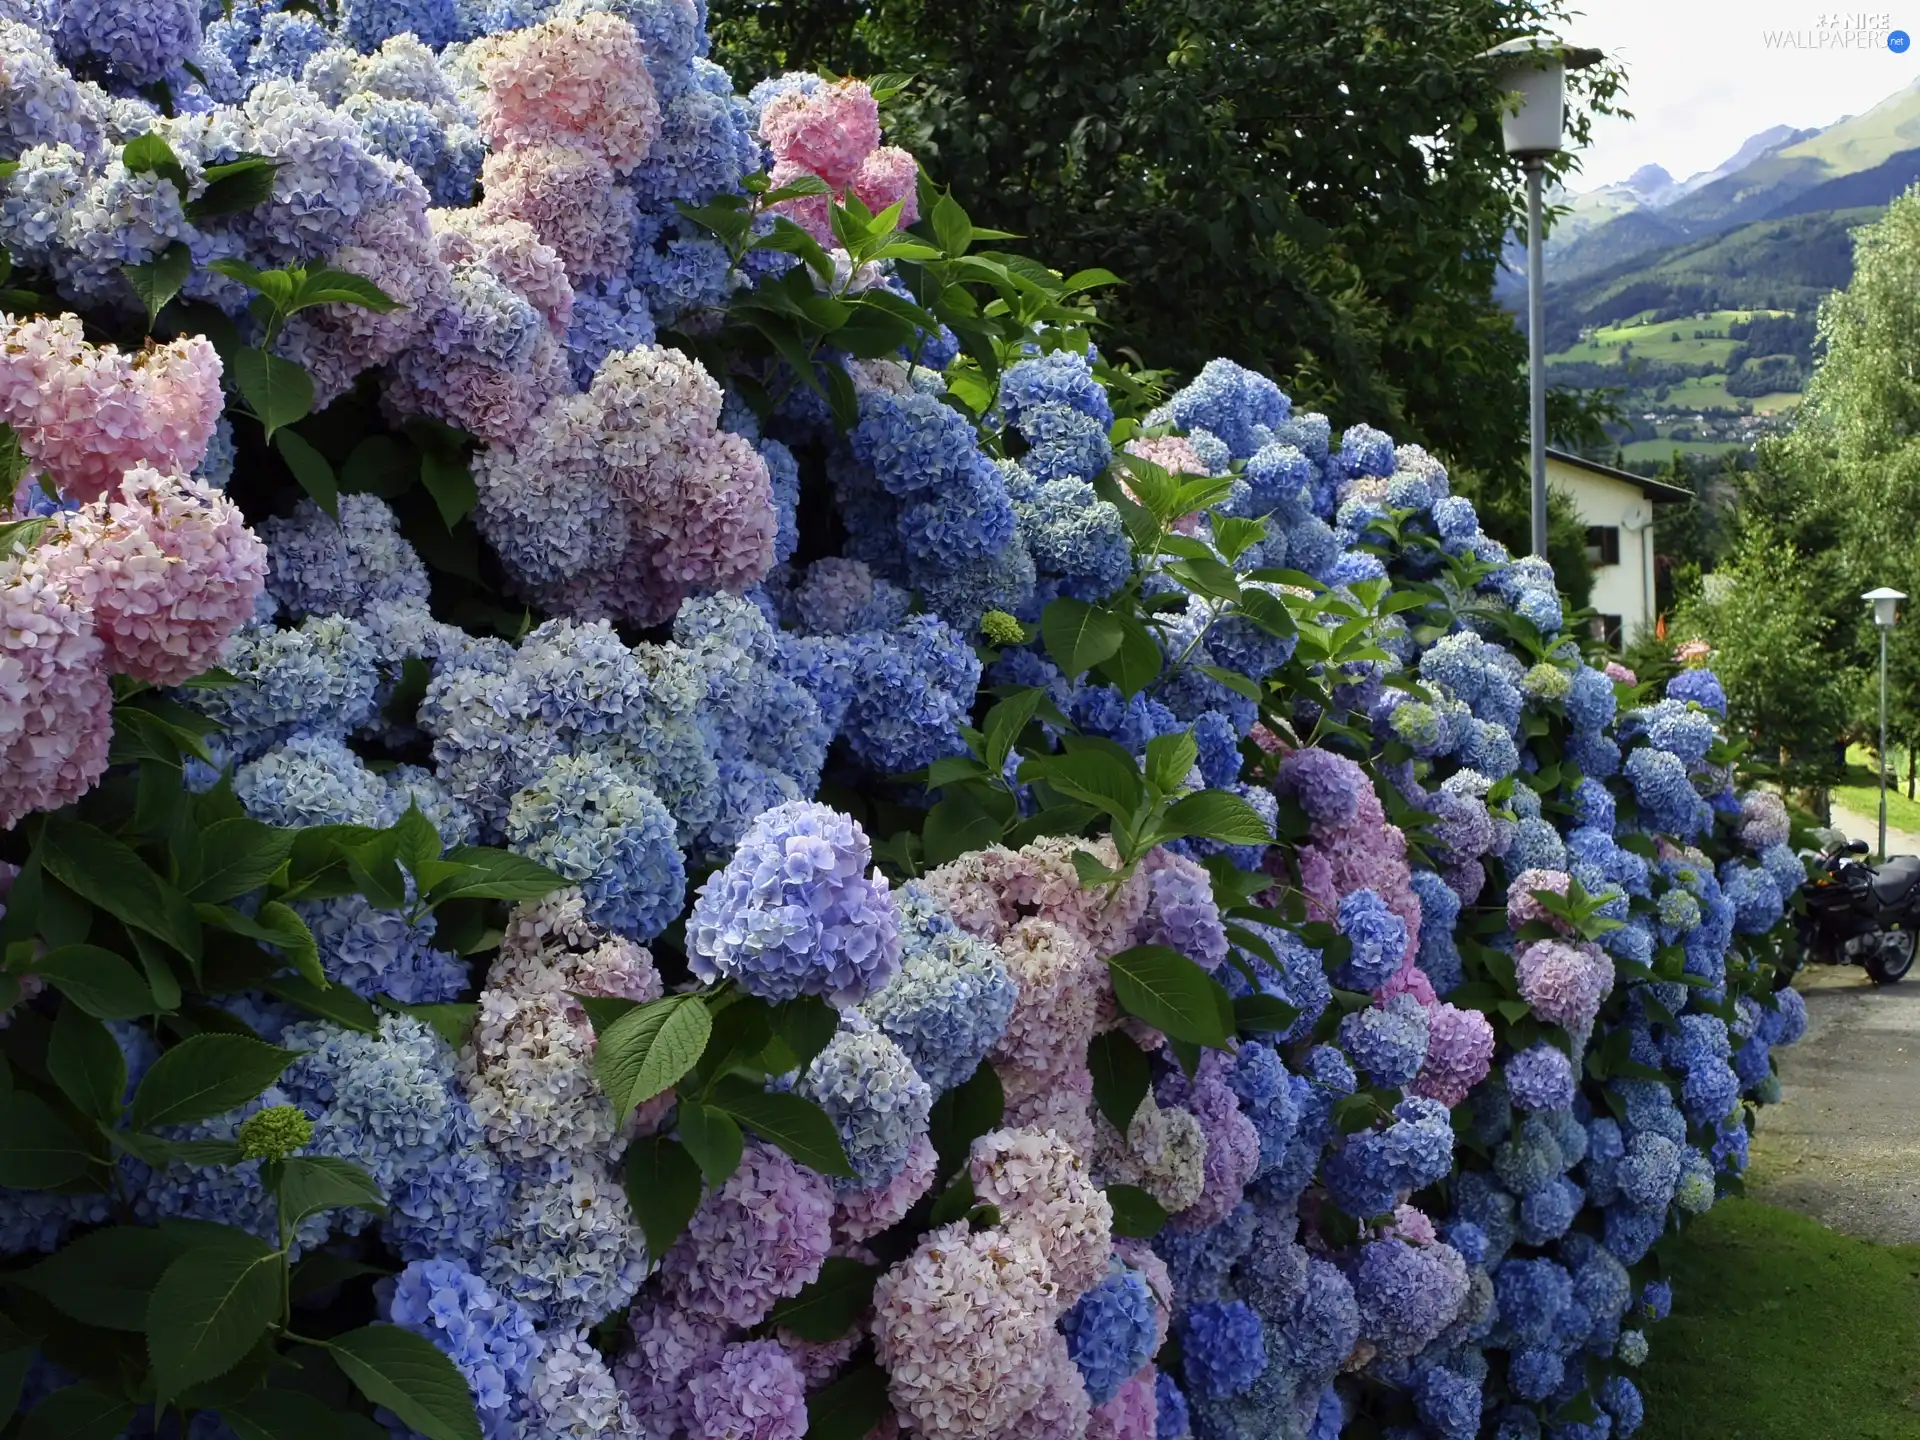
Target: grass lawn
{"type": "Point", "coordinates": [1861, 791]}
{"type": "Point", "coordinates": [1658, 342]}
{"type": "Point", "coordinates": [1784, 1330]}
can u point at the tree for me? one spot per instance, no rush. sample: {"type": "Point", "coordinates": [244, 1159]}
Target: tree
{"type": "Point", "coordinates": [1771, 651]}
{"type": "Point", "coordinates": [1315, 188]}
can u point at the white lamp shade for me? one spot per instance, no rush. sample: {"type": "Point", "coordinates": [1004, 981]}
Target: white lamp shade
{"type": "Point", "coordinates": [1886, 605]}
{"type": "Point", "coordinates": [1538, 126]}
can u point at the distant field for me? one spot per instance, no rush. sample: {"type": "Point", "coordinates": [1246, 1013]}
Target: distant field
{"type": "Point", "coordinates": [1775, 403]}
{"type": "Point", "coordinates": [1672, 341]}
{"type": "Point", "coordinates": [1703, 392]}
{"type": "Point", "coordinates": [1663, 449]}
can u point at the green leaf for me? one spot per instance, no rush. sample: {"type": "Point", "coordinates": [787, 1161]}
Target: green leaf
{"type": "Point", "coordinates": [1136, 1214]}
{"type": "Point", "coordinates": [278, 925]}
{"type": "Point", "coordinates": [1258, 1014]}
{"type": "Point", "coordinates": [955, 1202]}
{"type": "Point", "coordinates": [1216, 815]}
{"type": "Point", "coordinates": [712, 1138]}
{"type": "Point", "coordinates": [831, 1304]}
{"type": "Point", "coordinates": [15, 1365]}
{"type": "Point", "coordinates": [449, 480]}
{"type": "Point", "coordinates": [1099, 777]}
{"type": "Point", "coordinates": [310, 1184]}
{"type": "Point", "coordinates": [100, 869]}
{"type": "Point", "coordinates": [38, 1150]}
{"type": "Point", "coordinates": [161, 1153]}
{"type": "Point", "coordinates": [963, 1114]}
{"type": "Point", "coordinates": [282, 1415]}
{"type": "Point", "coordinates": [1091, 870]}
{"type": "Point", "coordinates": [379, 465]}
{"type": "Point", "coordinates": [150, 154]}
{"type": "Point", "coordinates": [211, 1307]}
{"type": "Point", "coordinates": [158, 280]}
{"type": "Point", "coordinates": [205, 1076]}
{"type": "Point", "coordinates": [100, 982]}
{"type": "Point", "coordinates": [105, 1277]}
{"type": "Point", "coordinates": [805, 1025]}
{"type": "Point", "coordinates": [494, 875]}
{"type": "Point", "coordinates": [236, 856]}
{"type": "Point", "coordinates": [322, 1270]}
{"type": "Point", "coordinates": [1137, 663]}
{"type": "Point", "coordinates": [798, 188]}
{"type": "Point", "coordinates": [310, 468]}
{"type": "Point", "coordinates": [1078, 636]}
{"type": "Point", "coordinates": [85, 1061]}
{"type": "Point", "coordinates": [796, 1125]}
{"type": "Point", "coordinates": [233, 187]}
{"type": "Point", "coordinates": [279, 392]}
{"type": "Point", "coordinates": [1268, 611]}
{"type": "Point", "coordinates": [1172, 994]}
{"type": "Point", "coordinates": [663, 1187]}
{"type": "Point", "coordinates": [1006, 720]}
{"type": "Point", "coordinates": [79, 1412]}
{"type": "Point", "coordinates": [1171, 758]}
{"type": "Point", "coordinates": [648, 1049]}
{"type": "Point", "coordinates": [333, 1002]}
{"type": "Point", "coordinates": [959, 824]}
{"type": "Point", "coordinates": [1122, 1076]}
{"type": "Point", "coordinates": [1233, 680]}
{"type": "Point", "coordinates": [951, 225]}
{"type": "Point", "coordinates": [851, 1406]}
{"type": "Point", "coordinates": [1232, 536]}
{"type": "Point", "coordinates": [338, 287]}
{"type": "Point", "coordinates": [411, 1377]}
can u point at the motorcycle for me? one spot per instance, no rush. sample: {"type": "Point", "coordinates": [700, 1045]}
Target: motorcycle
{"type": "Point", "coordinates": [1862, 914]}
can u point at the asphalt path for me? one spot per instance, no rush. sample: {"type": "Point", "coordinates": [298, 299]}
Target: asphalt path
{"type": "Point", "coordinates": [1843, 1144]}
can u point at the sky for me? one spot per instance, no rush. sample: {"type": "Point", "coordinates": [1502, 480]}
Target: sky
{"type": "Point", "coordinates": [1703, 75]}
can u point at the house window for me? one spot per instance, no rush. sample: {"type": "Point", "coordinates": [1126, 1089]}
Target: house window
{"type": "Point", "coordinates": [1603, 545]}
{"type": "Point", "coordinates": [1608, 631]}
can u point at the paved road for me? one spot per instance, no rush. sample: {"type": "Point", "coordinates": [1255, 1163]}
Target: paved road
{"type": "Point", "coordinates": [1844, 1143]}
{"type": "Point", "coordinates": [1858, 825]}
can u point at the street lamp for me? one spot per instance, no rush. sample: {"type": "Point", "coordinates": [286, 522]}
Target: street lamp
{"type": "Point", "coordinates": [1535, 71]}
{"type": "Point", "coordinates": [1886, 609]}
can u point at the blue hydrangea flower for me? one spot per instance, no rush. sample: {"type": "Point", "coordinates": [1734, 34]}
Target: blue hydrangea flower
{"type": "Point", "coordinates": [489, 1338]}
{"type": "Point", "coordinates": [794, 912]}
{"type": "Point", "coordinates": [951, 999]}
{"type": "Point", "coordinates": [1223, 1349]}
{"type": "Point", "coordinates": [1110, 1331]}
{"type": "Point", "coordinates": [1378, 937]}
{"type": "Point", "coordinates": [873, 1095]}
{"type": "Point", "coordinates": [614, 839]}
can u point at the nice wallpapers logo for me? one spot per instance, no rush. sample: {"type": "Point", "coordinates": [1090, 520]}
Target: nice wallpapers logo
{"type": "Point", "coordinates": [1843, 30]}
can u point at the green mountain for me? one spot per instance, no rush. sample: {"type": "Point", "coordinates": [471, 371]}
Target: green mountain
{"type": "Point", "coordinates": [1694, 302]}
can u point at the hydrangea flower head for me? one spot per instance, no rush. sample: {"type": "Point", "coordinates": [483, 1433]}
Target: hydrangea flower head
{"type": "Point", "coordinates": [795, 911]}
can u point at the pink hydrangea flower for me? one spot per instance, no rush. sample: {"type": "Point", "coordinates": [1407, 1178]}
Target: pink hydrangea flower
{"type": "Point", "coordinates": [812, 213]}
{"type": "Point", "coordinates": [957, 1324]}
{"type": "Point", "coordinates": [1459, 1054]}
{"type": "Point", "coordinates": [56, 706]}
{"type": "Point", "coordinates": [1564, 983]}
{"type": "Point", "coordinates": [1524, 909]}
{"type": "Point", "coordinates": [169, 570]}
{"type": "Point", "coordinates": [829, 131]}
{"type": "Point", "coordinates": [1043, 1190]}
{"type": "Point", "coordinates": [1763, 820]}
{"type": "Point", "coordinates": [1130, 1414]}
{"type": "Point", "coordinates": [1413, 1225]}
{"type": "Point", "coordinates": [87, 414]}
{"type": "Point", "coordinates": [1692, 652]}
{"type": "Point", "coordinates": [579, 79]}
{"type": "Point", "coordinates": [1062, 1409]}
{"type": "Point", "coordinates": [889, 176]}
{"type": "Point", "coordinates": [514, 252]}
{"type": "Point", "coordinates": [1620, 674]}
{"type": "Point", "coordinates": [551, 945]}
{"type": "Point", "coordinates": [566, 192]}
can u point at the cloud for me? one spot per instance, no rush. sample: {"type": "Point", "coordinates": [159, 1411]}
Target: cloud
{"type": "Point", "coordinates": [1702, 77]}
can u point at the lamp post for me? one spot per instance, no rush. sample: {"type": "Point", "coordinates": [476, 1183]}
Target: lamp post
{"type": "Point", "coordinates": [1886, 609]}
{"type": "Point", "coordinates": [1534, 132]}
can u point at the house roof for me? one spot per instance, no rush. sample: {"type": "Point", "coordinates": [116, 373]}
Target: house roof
{"type": "Point", "coordinates": [1658, 491]}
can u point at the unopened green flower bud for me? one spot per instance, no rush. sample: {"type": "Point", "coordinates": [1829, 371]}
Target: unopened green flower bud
{"type": "Point", "coordinates": [274, 1133]}
{"type": "Point", "coordinates": [1001, 628]}
{"type": "Point", "coordinates": [1547, 682]}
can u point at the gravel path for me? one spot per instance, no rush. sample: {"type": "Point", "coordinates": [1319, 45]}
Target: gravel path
{"type": "Point", "coordinates": [1844, 1143]}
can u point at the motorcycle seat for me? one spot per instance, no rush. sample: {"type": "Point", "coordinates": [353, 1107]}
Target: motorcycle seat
{"type": "Point", "coordinates": [1895, 880]}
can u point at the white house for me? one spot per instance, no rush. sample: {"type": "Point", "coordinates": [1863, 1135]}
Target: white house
{"type": "Point", "coordinates": [1617, 509]}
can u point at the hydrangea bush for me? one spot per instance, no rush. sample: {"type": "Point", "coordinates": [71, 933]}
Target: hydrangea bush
{"type": "Point", "coordinates": [641, 796]}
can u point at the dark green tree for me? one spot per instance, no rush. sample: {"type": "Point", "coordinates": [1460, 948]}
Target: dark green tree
{"type": "Point", "coordinates": [1315, 188]}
